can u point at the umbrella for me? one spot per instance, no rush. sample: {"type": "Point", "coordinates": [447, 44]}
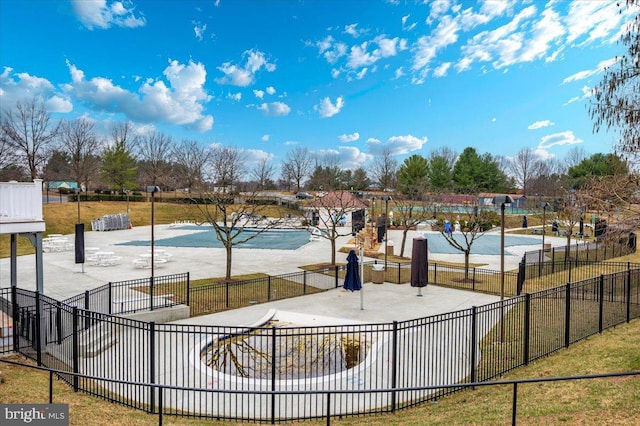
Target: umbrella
{"type": "Point", "coordinates": [419, 267]}
{"type": "Point", "coordinates": [352, 277]}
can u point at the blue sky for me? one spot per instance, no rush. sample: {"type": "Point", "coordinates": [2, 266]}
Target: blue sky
{"type": "Point", "coordinates": [348, 78]}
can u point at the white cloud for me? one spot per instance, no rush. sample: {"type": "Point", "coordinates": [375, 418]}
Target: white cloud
{"type": "Point", "coordinates": [275, 108]}
{"type": "Point", "coordinates": [587, 92]}
{"type": "Point", "coordinates": [353, 30]}
{"type": "Point", "coordinates": [265, 138]}
{"type": "Point", "coordinates": [270, 90]}
{"type": "Point", "coordinates": [255, 156]}
{"type": "Point", "coordinates": [349, 157]}
{"type": "Point", "coordinates": [245, 75]}
{"type": "Point", "coordinates": [23, 87]}
{"type": "Point", "coordinates": [328, 109]}
{"type": "Point", "coordinates": [396, 144]}
{"type": "Point", "coordinates": [563, 138]}
{"type": "Point", "coordinates": [581, 75]}
{"type": "Point", "coordinates": [103, 14]}
{"type": "Point", "coordinates": [441, 70]}
{"type": "Point", "coordinates": [290, 143]}
{"type": "Point", "coordinates": [259, 94]}
{"type": "Point", "coordinates": [426, 48]}
{"type": "Point", "coordinates": [540, 124]}
{"type": "Point", "coordinates": [177, 100]}
{"type": "Point", "coordinates": [349, 138]}
{"type": "Point", "coordinates": [234, 96]}
{"type": "Point", "coordinates": [199, 28]}
{"type": "Point", "coordinates": [593, 20]}
{"type": "Point", "coordinates": [407, 27]}
{"type": "Point", "coordinates": [493, 120]}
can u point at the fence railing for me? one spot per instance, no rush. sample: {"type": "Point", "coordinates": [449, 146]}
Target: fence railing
{"type": "Point", "coordinates": [329, 394]}
{"type": "Point", "coordinates": [258, 371]}
{"type": "Point", "coordinates": [592, 251]}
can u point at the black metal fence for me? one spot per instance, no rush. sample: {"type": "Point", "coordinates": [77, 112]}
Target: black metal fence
{"type": "Point", "coordinates": [255, 373]}
{"type": "Point", "coordinates": [581, 250]}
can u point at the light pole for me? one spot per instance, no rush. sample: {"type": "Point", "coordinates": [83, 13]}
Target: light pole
{"type": "Point", "coordinates": [374, 223]}
{"type": "Point", "coordinates": [502, 200]}
{"type": "Point", "coordinates": [153, 190]}
{"type": "Point", "coordinates": [386, 199]}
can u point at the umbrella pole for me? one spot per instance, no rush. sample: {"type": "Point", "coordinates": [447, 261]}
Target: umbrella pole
{"type": "Point", "coordinates": [361, 252]}
{"type": "Point", "coordinates": [419, 291]}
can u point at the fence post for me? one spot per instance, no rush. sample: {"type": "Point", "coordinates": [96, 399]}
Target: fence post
{"type": "Point", "coordinates": [394, 366]}
{"type": "Point", "coordinates": [59, 322]}
{"type": "Point", "coordinates": [273, 374]}
{"type": "Point", "coordinates": [336, 273]}
{"type": "Point", "coordinates": [226, 293]}
{"type": "Point", "coordinates": [76, 368]}
{"type": "Point", "coordinates": [553, 260]}
{"type": "Point", "coordinates": [188, 289]}
{"type": "Point", "coordinates": [628, 291]}
{"type": "Point", "coordinates": [399, 282]}
{"type": "Point", "coordinates": [16, 318]}
{"type": "Point", "coordinates": [474, 328]}
{"type": "Point", "coordinates": [110, 299]}
{"type": "Point", "coordinates": [567, 314]}
{"type": "Point", "coordinates": [304, 282]}
{"type": "Point", "coordinates": [522, 272]}
{"type": "Point", "coordinates": [269, 288]}
{"type": "Point", "coordinates": [527, 327]}
{"type": "Point", "coordinates": [86, 310]}
{"type": "Point", "coordinates": [473, 279]}
{"type": "Point", "coordinates": [540, 261]}
{"type": "Point", "coordinates": [152, 365]}
{"type": "Point", "coordinates": [151, 292]}
{"type": "Point", "coordinates": [601, 306]}
{"type": "Point", "coordinates": [435, 273]}
{"type": "Point", "coordinates": [39, 330]}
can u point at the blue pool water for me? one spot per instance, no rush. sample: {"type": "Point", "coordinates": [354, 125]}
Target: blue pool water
{"type": "Point", "coordinates": [277, 239]}
{"type": "Point", "coordinates": [485, 244]}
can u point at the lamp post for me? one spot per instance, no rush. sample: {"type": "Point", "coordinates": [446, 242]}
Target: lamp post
{"type": "Point", "coordinates": [374, 235]}
{"type": "Point", "coordinates": [153, 190]}
{"type": "Point", "coordinates": [502, 200]}
{"type": "Point", "coordinates": [386, 199]}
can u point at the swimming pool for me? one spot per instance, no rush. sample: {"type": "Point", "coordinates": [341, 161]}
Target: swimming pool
{"type": "Point", "coordinates": [205, 237]}
{"type": "Point", "coordinates": [485, 244]}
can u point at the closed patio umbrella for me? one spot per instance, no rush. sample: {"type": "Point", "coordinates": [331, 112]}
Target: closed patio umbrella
{"type": "Point", "coordinates": [352, 280]}
{"type": "Point", "coordinates": [419, 267]}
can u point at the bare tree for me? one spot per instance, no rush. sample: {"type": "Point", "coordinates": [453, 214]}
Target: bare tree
{"type": "Point", "coordinates": [524, 167]}
{"type": "Point", "coordinates": [571, 210]}
{"type": "Point", "coordinates": [227, 217]}
{"type": "Point", "coordinates": [575, 156]}
{"type": "Point", "coordinates": [409, 213]}
{"type": "Point", "coordinates": [190, 159]}
{"type": "Point", "coordinates": [28, 131]}
{"type": "Point", "coordinates": [298, 165]}
{"type": "Point", "coordinates": [78, 139]}
{"type": "Point", "coordinates": [616, 100]}
{"type": "Point", "coordinates": [227, 166]}
{"type": "Point", "coordinates": [384, 169]}
{"type": "Point", "coordinates": [332, 208]}
{"type": "Point", "coordinates": [263, 173]}
{"type": "Point", "coordinates": [473, 225]}
{"type": "Point", "coordinates": [154, 153]}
